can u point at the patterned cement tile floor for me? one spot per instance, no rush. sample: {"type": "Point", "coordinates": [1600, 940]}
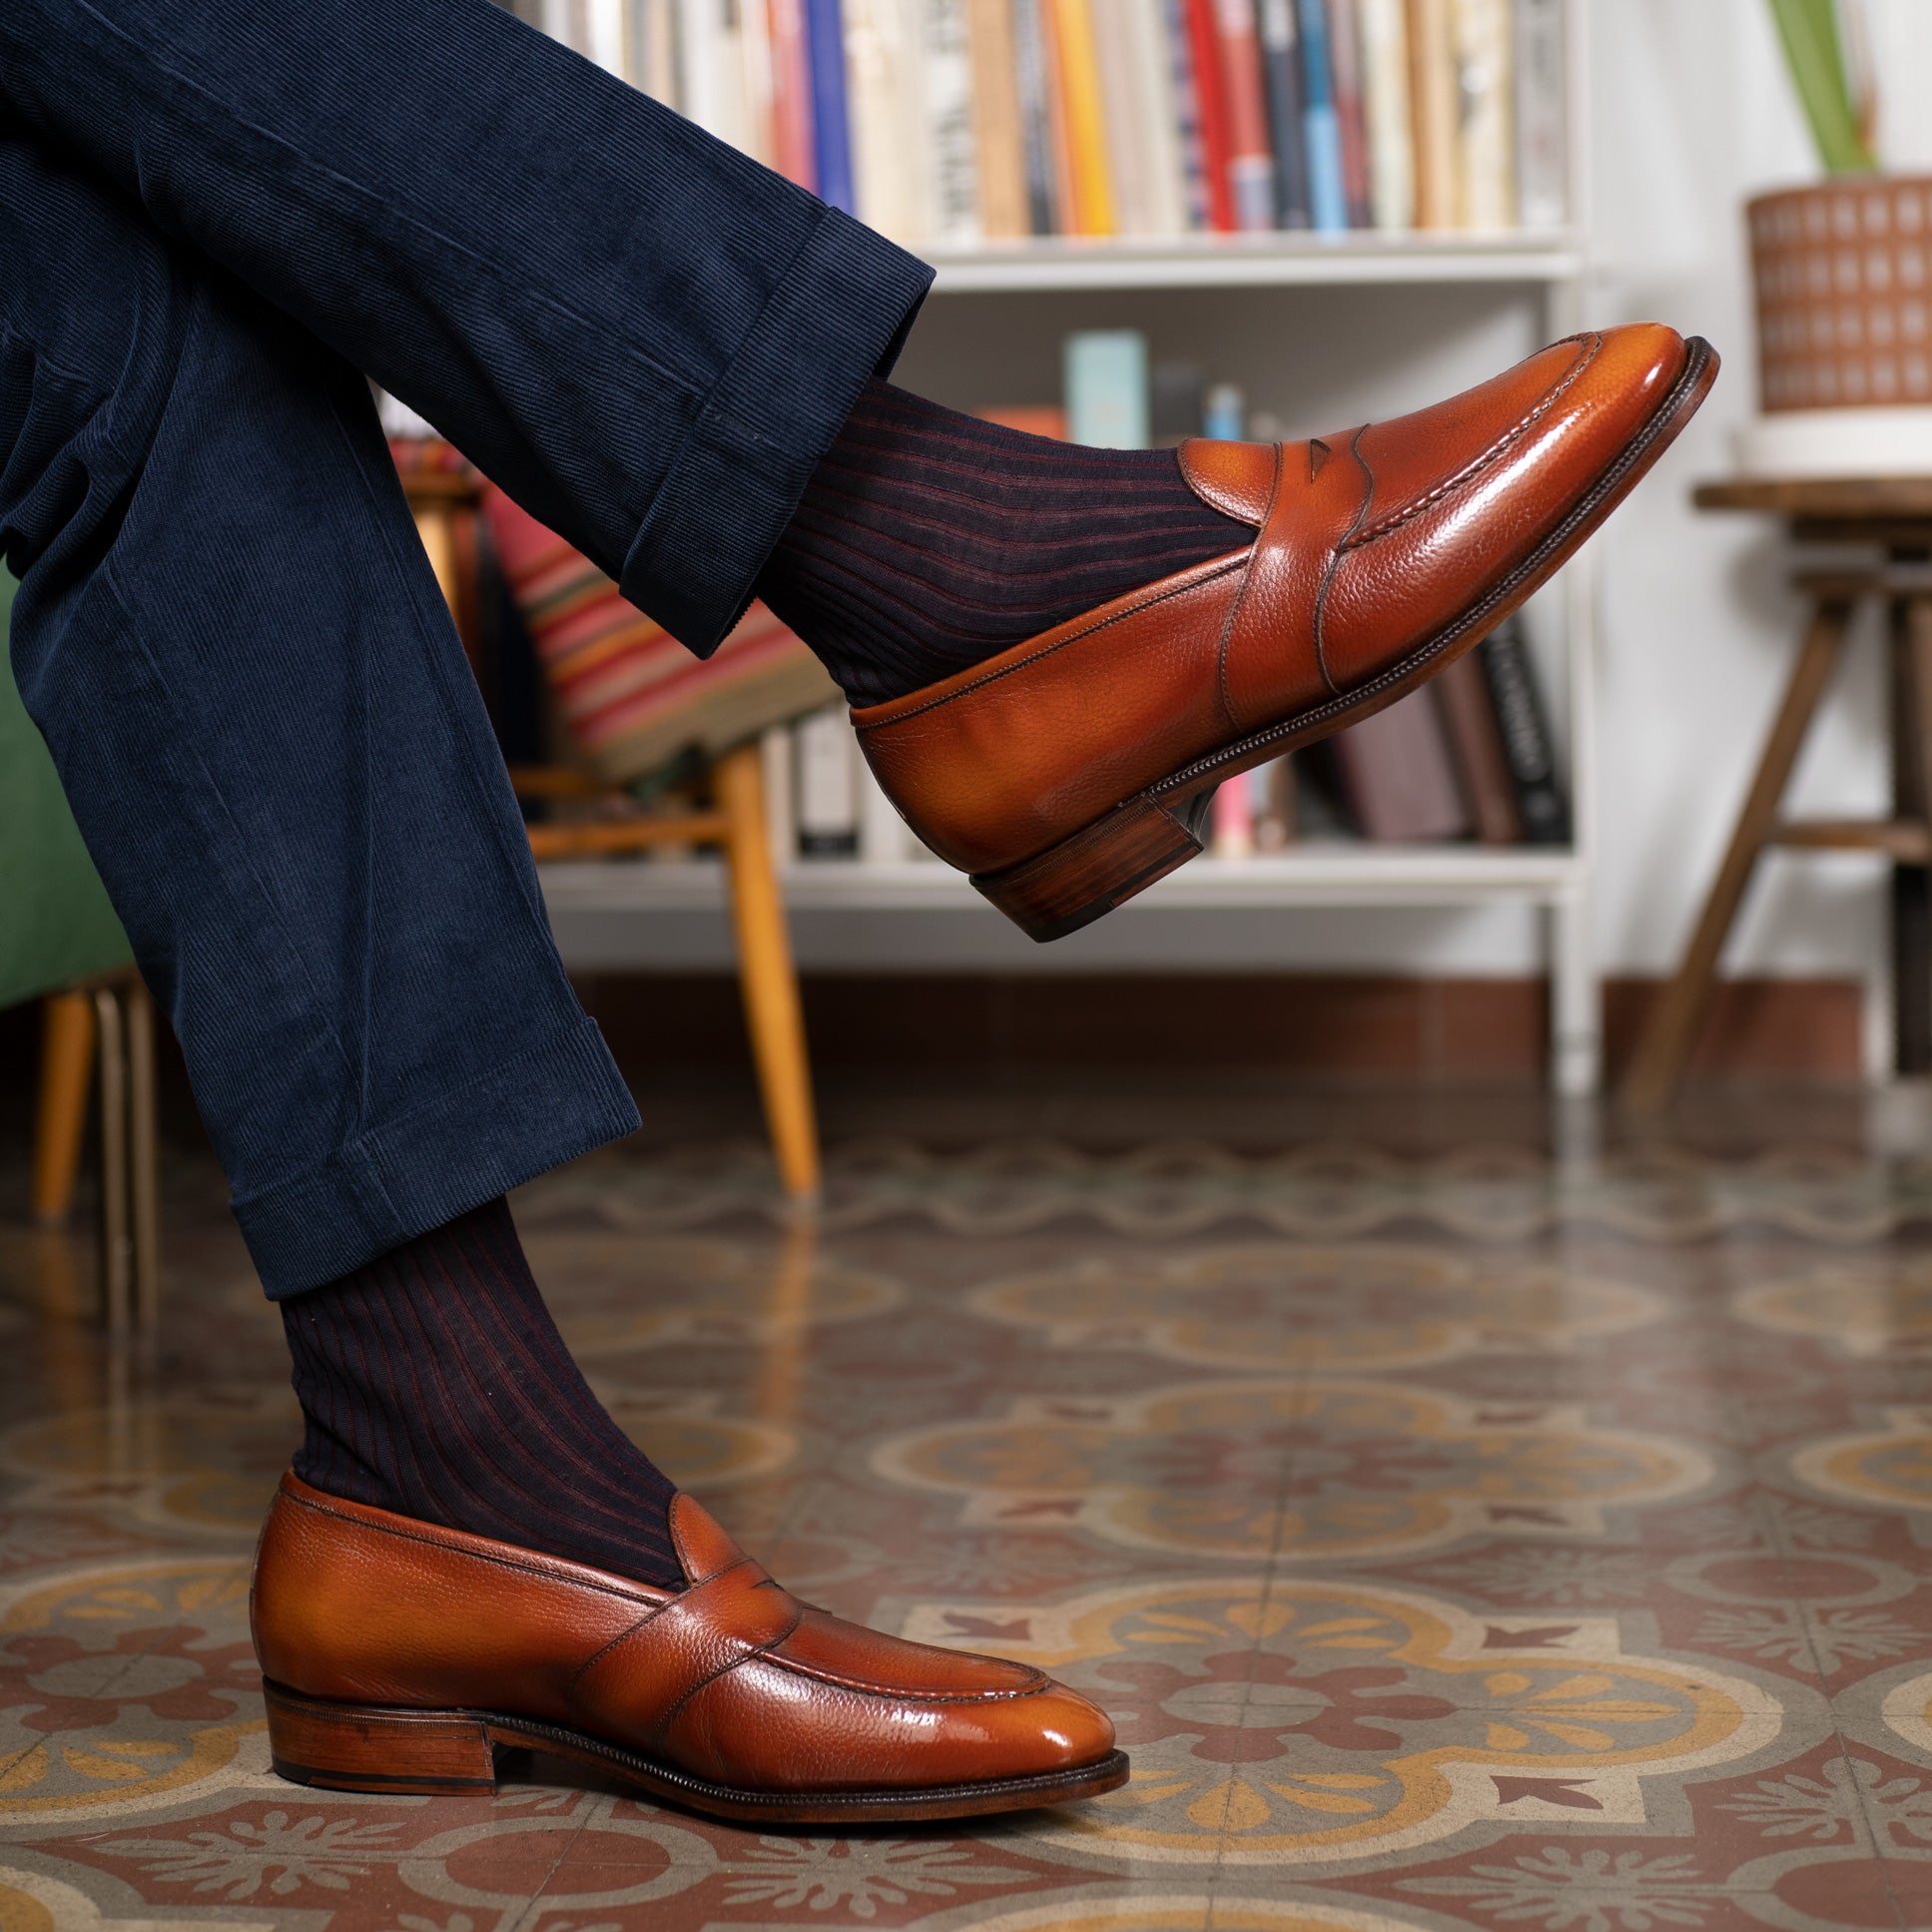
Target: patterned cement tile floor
{"type": "Point", "coordinates": [1470, 1539]}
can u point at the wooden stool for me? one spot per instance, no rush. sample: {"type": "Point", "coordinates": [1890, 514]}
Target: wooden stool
{"type": "Point", "coordinates": [1894, 515]}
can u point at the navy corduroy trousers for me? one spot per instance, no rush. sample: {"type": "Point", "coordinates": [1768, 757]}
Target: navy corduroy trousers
{"type": "Point", "coordinates": [214, 216]}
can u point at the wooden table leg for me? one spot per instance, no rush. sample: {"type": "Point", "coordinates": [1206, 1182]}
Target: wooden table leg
{"type": "Point", "coordinates": [766, 972]}
{"type": "Point", "coordinates": [1671, 1030]}
{"type": "Point", "coordinates": [1911, 680]}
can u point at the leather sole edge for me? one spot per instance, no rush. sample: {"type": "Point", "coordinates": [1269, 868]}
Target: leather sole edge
{"type": "Point", "coordinates": [455, 1749]}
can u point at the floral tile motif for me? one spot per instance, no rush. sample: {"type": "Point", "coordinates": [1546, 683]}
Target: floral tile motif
{"type": "Point", "coordinates": [1464, 1542]}
{"type": "Point", "coordinates": [1290, 1308]}
{"type": "Point", "coordinates": [1377, 1469]}
{"type": "Point", "coordinates": [1282, 1721]}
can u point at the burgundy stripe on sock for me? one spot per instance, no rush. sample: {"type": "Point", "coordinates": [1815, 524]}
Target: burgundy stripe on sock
{"type": "Point", "coordinates": [927, 540]}
{"type": "Point", "coordinates": [433, 1383]}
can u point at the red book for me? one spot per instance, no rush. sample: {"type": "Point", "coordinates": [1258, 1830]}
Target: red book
{"type": "Point", "coordinates": [793, 150]}
{"type": "Point", "coordinates": [1251, 160]}
{"type": "Point", "coordinates": [1210, 91]}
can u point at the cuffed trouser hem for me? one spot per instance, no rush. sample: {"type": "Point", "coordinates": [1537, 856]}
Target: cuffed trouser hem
{"type": "Point", "coordinates": [411, 1175]}
{"type": "Point", "coordinates": [839, 315]}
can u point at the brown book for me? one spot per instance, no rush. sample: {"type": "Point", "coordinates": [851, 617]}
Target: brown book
{"type": "Point", "coordinates": [1476, 746]}
{"type": "Point", "coordinates": [996, 125]}
{"type": "Point", "coordinates": [1397, 777]}
{"type": "Point", "coordinates": [1435, 109]}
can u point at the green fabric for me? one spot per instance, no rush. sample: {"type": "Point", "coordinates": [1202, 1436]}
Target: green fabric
{"type": "Point", "coordinates": [56, 925]}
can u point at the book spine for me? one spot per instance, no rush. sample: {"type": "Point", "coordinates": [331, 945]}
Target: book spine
{"type": "Point", "coordinates": [1155, 123]}
{"type": "Point", "coordinates": [1037, 116]}
{"type": "Point", "coordinates": [1542, 146]}
{"type": "Point", "coordinates": [760, 81]}
{"type": "Point", "coordinates": [885, 103]}
{"type": "Point", "coordinates": [1177, 17]}
{"type": "Point", "coordinates": [792, 142]}
{"type": "Point", "coordinates": [1210, 105]}
{"type": "Point", "coordinates": [953, 155]}
{"type": "Point", "coordinates": [1281, 70]}
{"type": "Point", "coordinates": [1476, 747]}
{"type": "Point", "coordinates": [1105, 376]}
{"type": "Point", "coordinates": [828, 790]}
{"type": "Point", "coordinates": [1434, 110]}
{"type": "Point", "coordinates": [1345, 58]}
{"type": "Point", "coordinates": [1124, 115]}
{"type": "Point", "coordinates": [1273, 795]}
{"type": "Point", "coordinates": [830, 134]}
{"type": "Point", "coordinates": [1321, 130]}
{"type": "Point", "coordinates": [780, 793]}
{"type": "Point", "coordinates": [1525, 730]}
{"type": "Point", "coordinates": [1486, 136]}
{"type": "Point", "coordinates": [1251, 161]}
{"type": "Point", "coordinates": [997, 131]}
{"type": "Point", "coordinates": [1396, 771]}
{"type": "Point", "coordinates": [1084, 116]}
{"type": "Point", "coordinates": [1384, 111]}
{"type": "Point", "coordinates": [1232, 816]}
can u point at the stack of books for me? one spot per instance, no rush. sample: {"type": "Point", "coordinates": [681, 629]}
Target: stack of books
{"type": "Point", "coordinates": [950, 123]}
{"type": "Point", "coordinates": [1465, 759]}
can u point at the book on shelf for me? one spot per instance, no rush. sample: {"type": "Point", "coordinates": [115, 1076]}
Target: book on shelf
{"type": "Point", "coordinates": [952, 122]}
{"type": "Point", "coordinates": [1541, 164]}
{"type": "Point", "coordinates": [1525, 728]}
{"type": "Point", "coordinates": [1345, 68]}
{"type": "Point", "coordinates": [1105, 376]}
{"type": "Point", "coordinates": [1281, 73]}
{"type": "Point", "coordinates": [1231, 819]}
{"type": "Point", "coordinates": [1321, 125]}
{"type": "Point", "coordinates": [1397, 777]}
{"type": "Point", "coordinates": [1271, 799]}
{"type": "Point", "coordinates": [826, 758]}
{"type": "Point", "coordinates": [1475, 736]}
{"type": "Point", "coordinates": [1386, 113]}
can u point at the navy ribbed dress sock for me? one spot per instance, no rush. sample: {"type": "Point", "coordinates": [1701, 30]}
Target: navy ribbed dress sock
{"type": "Point", "coordinates": [433, 1383]}
{"type": "Point", "coordinates": [927, 540]}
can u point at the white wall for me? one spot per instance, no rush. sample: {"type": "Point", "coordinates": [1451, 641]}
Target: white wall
{"type": "Point", "coordinates": [1690, 112]}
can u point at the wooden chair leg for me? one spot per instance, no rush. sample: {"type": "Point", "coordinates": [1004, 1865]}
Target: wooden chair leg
{"type": "Point", "coordinates": [117, 1235]}
{"type": "Point", "coordinates": [1671, 1030]}
{"type": "Point", "coordinates": [144, 1156]}
{"type": "Point", "coordinates": [766, 973]}
{"type": "Point", "coordinates": [66, 1060]}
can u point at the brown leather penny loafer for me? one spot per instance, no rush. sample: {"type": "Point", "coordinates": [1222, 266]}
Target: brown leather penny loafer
{"type": "Point", "coordinates": [1070, 771]}
{"type": "Point", "coordinates": [398, 1656]}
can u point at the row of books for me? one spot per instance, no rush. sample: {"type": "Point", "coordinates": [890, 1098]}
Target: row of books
{"type": "Point", "coordinates": [1468, 757]}
{"type": "Point", "coordinates": [953, 121]}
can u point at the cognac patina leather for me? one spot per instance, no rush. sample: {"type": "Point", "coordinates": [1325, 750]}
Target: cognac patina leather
{"type": "Point", "coordinates": [1381, 553]}
{"type": "Point", "coordinates": [398, 1654]}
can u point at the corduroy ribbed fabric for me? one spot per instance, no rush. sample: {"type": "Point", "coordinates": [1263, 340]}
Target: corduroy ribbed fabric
{"type": "Point", "coordinates": [433, 1383]}
{"type": "Point", "coordinates": [927, 540]}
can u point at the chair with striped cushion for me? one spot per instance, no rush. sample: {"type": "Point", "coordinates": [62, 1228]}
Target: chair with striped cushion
{"type": "Point", "coordinates": [640, 708]}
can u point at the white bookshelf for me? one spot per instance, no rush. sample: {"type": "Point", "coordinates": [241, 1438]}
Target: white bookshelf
{"type": "Point", "coordinates": [1544, 269]}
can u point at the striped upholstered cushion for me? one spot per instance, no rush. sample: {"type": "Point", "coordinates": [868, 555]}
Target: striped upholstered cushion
{"type": "Point", "coordinates": [633, 698]}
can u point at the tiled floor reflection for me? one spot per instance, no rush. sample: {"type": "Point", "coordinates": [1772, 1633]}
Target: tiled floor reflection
{"type": "Point", "coordinates": [1459, 1539]}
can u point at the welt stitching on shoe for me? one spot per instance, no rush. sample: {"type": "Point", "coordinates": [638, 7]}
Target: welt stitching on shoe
{"type": "Point", "coordinates": [1478, 464]}
{"type": "Point", "coordinates": [991, 677]}
{"type": "Point", "coordinates": [471, 1556]}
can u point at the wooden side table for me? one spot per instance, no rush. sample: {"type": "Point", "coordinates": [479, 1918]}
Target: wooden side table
{"type": "Point", "coordinates": [1894, 518]}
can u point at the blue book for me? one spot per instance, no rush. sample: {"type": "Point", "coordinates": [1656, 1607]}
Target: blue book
{"type": "Point", "coordinates": [824, 45]}
{"type": "Point", "coordinates": [1107, 388]}
{"type": "Point", "coordinates": [1321, 126]}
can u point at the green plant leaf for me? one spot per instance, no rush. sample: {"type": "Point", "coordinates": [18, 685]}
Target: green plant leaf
{"type": "Point", "coordinates": [1809, 31]}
